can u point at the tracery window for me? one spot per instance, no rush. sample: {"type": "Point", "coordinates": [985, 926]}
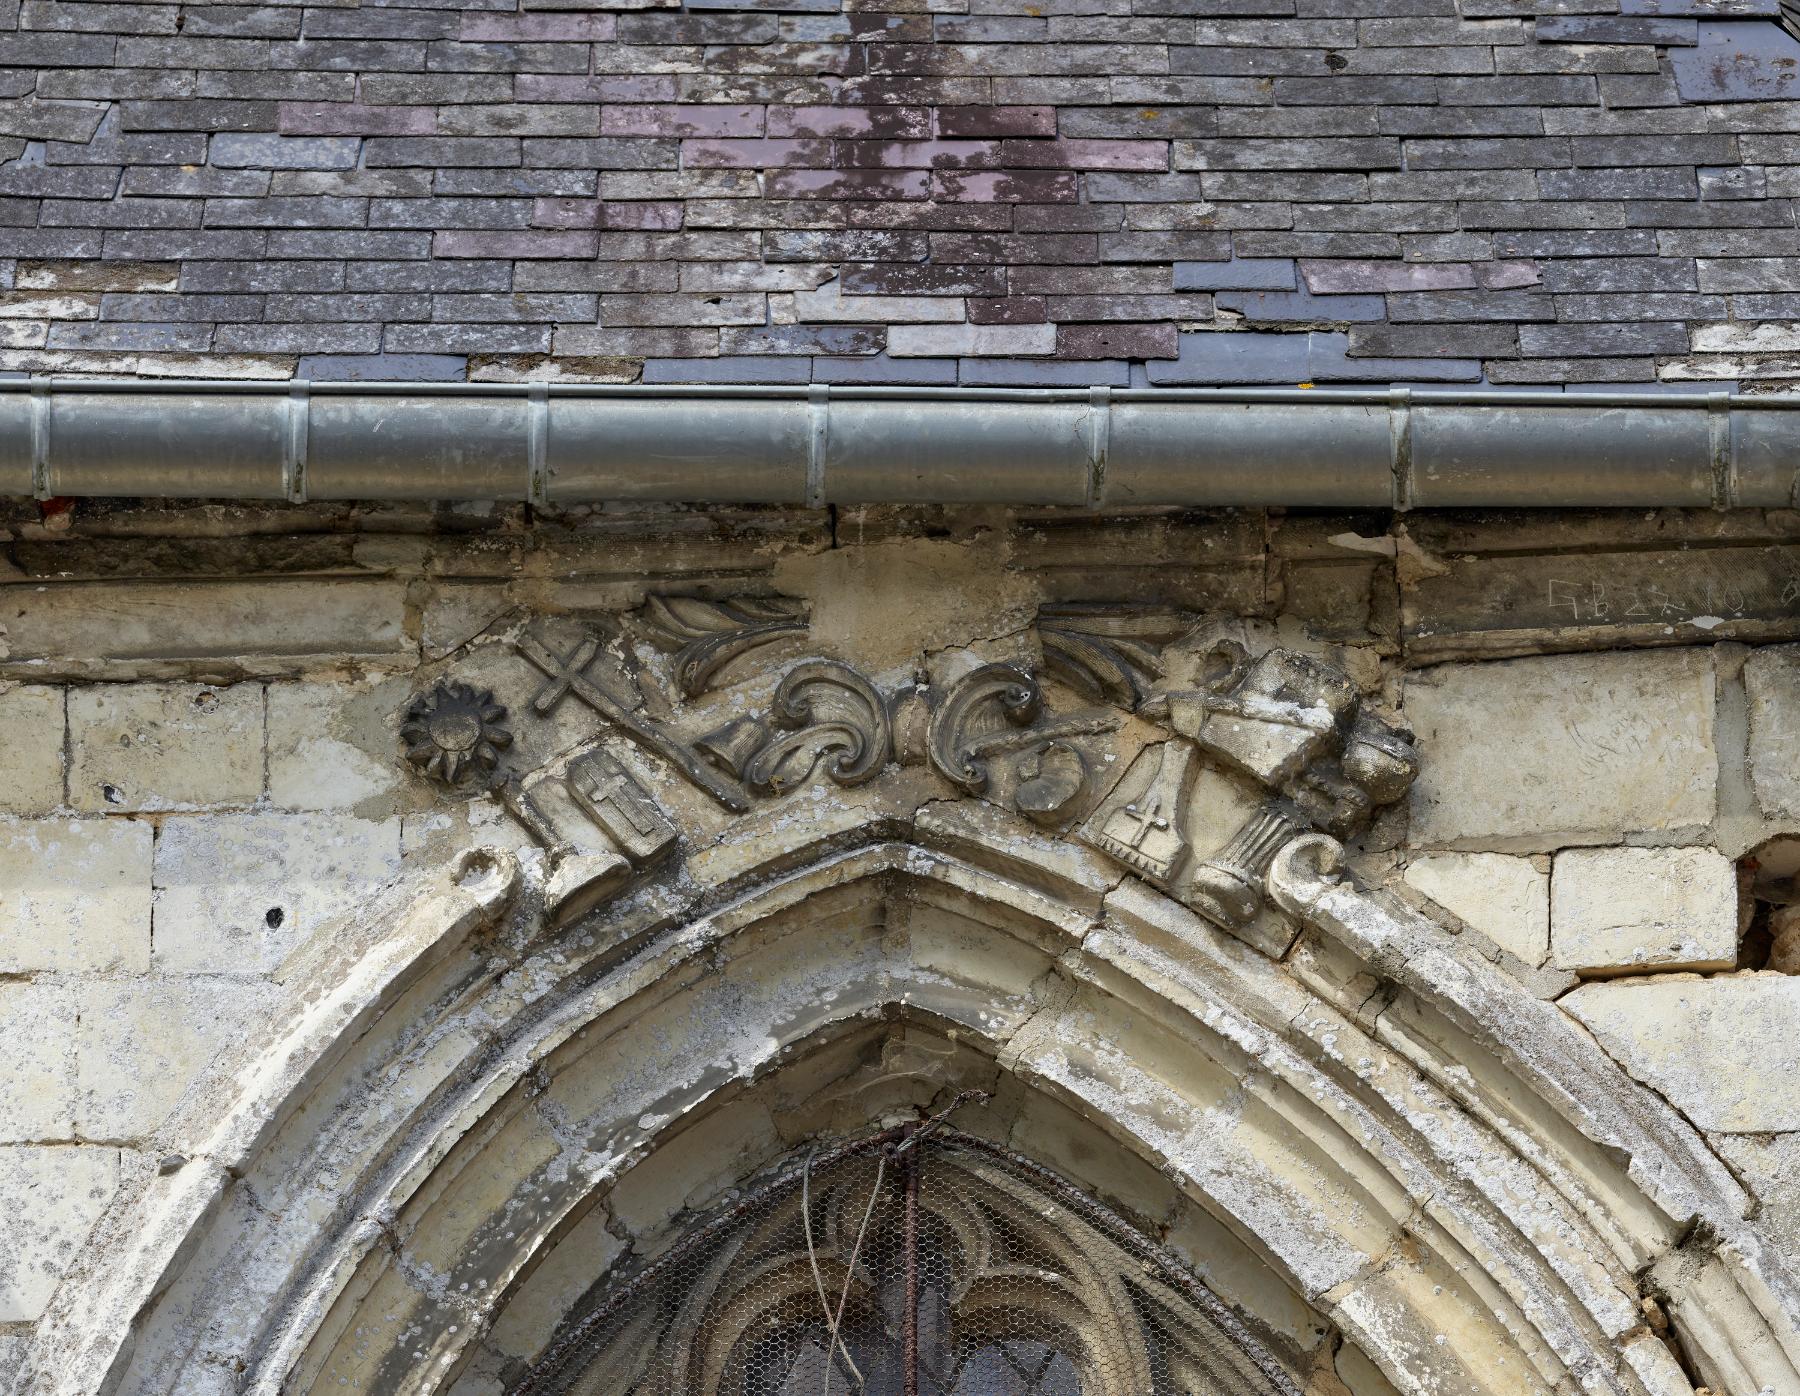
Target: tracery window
{"type": "Point", "coordinates": [941, 1265]}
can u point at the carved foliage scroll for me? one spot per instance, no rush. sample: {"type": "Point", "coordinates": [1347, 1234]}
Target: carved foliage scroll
{"type": "Point", "coordinates": [823, 711]}
{"type": "Point", "coordinates": [707, 635]}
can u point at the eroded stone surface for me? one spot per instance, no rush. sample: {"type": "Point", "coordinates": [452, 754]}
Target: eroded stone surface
{"type": "Point", "coordinates": [236, 892]}
{"type": "Point", "coordinates": [1535, 753]}
{"type": "Point", "coordinates": [31, 756]}
{"type": "Point", "coordinates": [330, 745]}
{"type": "Point", "coordinates": [1614, 909]}
{"type": "Point", "coordinates": [165, 746]}
{"type": "Point", "coordinates": [142, 1042]}
{"type": "Point", "coordinates": [74, 894]}
{"type": "Point", "coordinates": [54, 1194]}
{"type": "Point", "coordinates": [1506, 898]}
{"type": "Point", "coordinates": [1725, 1051]}
{"type": "Point", "coordinates": [37, 1069]}
{"type": "Point", "coordinates": [1772, 677]}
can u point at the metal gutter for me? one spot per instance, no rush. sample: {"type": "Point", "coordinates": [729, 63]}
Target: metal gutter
{"type": "Point", "coordinates": [572, 443]}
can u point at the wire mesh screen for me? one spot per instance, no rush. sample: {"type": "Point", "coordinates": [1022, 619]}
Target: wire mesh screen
{"type": "Point", "coordinates": [939, 1265]}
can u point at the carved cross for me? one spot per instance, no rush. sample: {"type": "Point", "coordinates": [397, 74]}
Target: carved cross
{"type": "Point", "coordinates": [567, 675]}
{"type": "Point", "coordinates": [614, 799]}
{"type": "Point", "coordinates": [567, 671]}
{"type": "Point", "coordinates": [1146, 821]}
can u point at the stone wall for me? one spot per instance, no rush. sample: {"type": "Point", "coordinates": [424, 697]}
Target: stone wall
{"type": "Point", "coordinates": [201, 774]}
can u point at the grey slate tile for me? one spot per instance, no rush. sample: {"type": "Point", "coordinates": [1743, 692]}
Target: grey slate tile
{"type": "Point", "coordinates": [383, 368]}
{"type": "Point", "coordinates": [1739, 63]}
{"type": "Point", "coordinates": [1301, 306]}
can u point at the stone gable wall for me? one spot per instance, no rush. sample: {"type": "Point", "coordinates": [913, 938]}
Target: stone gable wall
{"type": "Point", "coordinates": [1076, 192]}
{"type": "Point", "coordinates": [202, 773]}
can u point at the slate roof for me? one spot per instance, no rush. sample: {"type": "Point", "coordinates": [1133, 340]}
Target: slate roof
{"type": "Point", "coordinates": [1532, 192]}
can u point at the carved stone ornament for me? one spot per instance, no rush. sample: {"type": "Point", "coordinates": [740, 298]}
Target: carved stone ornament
{"type": "Point", "coordinates": [706, 635]}
{"type": "Point", "coordinates": [455, 733]}
{"type": "Point", "coordinates": [822, 710]}
{"type": "Point", "coordinates": [998, 711]}
{"type": "Point", "coordinates": [567, 675]}
{"type": "Point", "coordinates": [596, 793]}
{"type": "Point", "coordinates": [1291, 724]}
{"type": "Point", "coordinates": [1285, 725]}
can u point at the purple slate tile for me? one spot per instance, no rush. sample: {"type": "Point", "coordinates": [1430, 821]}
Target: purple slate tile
{"type": "Point", "coordinates": [662, 119]}
{"type": "Point", "coordinates": [854, 123]}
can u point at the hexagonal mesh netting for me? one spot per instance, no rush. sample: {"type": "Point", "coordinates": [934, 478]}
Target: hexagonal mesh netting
{"type": "Point", "coordinates": [943, 1266]}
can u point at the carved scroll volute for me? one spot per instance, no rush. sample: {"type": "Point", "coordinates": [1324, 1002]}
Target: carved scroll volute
{"type": "Point", "coordinates": [822, 709]}
{"type": "Point", "coordinates": [980, 716]}
{"type": "Point", "coordinates": [706, 635]}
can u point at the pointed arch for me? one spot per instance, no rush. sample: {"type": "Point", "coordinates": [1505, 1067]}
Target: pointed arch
{"type": "Point", "coordinates": [1384, 1134]}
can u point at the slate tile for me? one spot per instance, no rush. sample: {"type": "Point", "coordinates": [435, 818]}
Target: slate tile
{"type": "Point", "coordinates": [383, 368]}
{"type": "Point", "coordinates": [879, 368]}
{"type": "Point", "coordinates": [1301, 306]}
{"type": "Point", "coordinates": [1044, 373]}
{"type": "Point", "coordinates": [728, 369]}
{"type": "Point", "coordinates": [1243, 357]}
{"type": "Point", "coordinates": [1239, 274]}
{"type": "Point", "coordinates": [1739, 63]}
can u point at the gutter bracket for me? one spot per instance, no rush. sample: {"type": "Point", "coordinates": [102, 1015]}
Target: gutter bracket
{"type": "Point", "coordinates": [1724, 463]}
{"type": "Point", "coordinates": [537, 446]}
{"type": "Point", "coordinates": [1400, 443]}
{"type": "Point", "coordinates": [296, 441]}
{"type": "Point", "coordinates": [818, 439]}
{"type": "Point", "coordinates": [1099, 443]}
{"type": "Point", "coordinates": [40, 439]}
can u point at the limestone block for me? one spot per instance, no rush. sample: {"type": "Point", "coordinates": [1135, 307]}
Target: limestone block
{"type": "Point", "coordinates": [236, 892]}
{"type": "Point", "coordinates": [1505, 898]}
{"type": "Point", "coordinates": [74, 895]}
{"type": "Point", "coordinates": [694, 1166]}
{"type": "Point", "coordinates": [1534, 754]}
{"type": "Point", "coordinates": [37, 1068]}
{"type": "Point", "coordinates": [169, 746]}
{"type": "Point", "coordinates": [161, 629]}
{"type": "Point", "coordinates": [1661, 908]}
{"type": "Point", "coordinates": [31, 755]}
{"type": "Point", "coordinates": [140, 1044]}
{"type": "Point", "coordinates": [331, 745]}
{"type": "Point", "coordinates": [53, 1197]}
{"type": "Point", "coordinates": [1725, 1051]}
{"type": "Point", "coordinates": [1773, 679]}
{"type": "Point", "coordinates": [1769, 1166]}
{"type": "Point", "coordinates": [12, 1356]}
